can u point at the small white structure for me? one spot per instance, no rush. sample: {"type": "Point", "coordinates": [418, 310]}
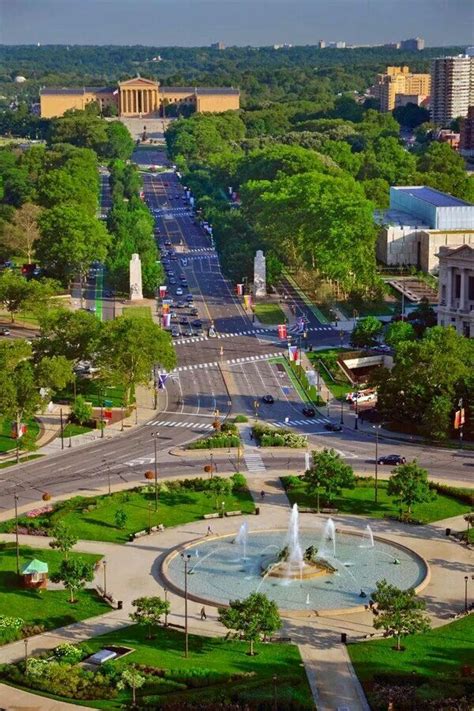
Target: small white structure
{"type": "Point", "coordinates": [259, 274]}
{"type": "Point", "coordinates": [136, 292]}
{"type": "Point", "coordinates": [456, 289]}
{"type": "Point", "coordinates": [19, 79]}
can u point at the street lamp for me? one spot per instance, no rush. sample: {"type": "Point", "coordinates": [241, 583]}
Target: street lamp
{"type": "Point", "coordinates": [342, 411]}
{"type": "Point", "coordinates": [104, 564]}
{"type": "Point", "coordinates": [466, 578]}
{"type": "Point", "coordinates": [256, 405]}
{"type": "Point", "coordinates": [186, 557]}
{"type": "Point", "coordinates": [165, 590]}
{"type": "Point", "coordinates": [17, 544]}
{"type": "Point", "coordinates": [376, 428]}
{"type": "Point", "coordinates": [155, 435]}
{"type": "Point", "coordinates": [356, 423]}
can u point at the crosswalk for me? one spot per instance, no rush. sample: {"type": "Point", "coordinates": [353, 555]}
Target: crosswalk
{"type": "Point", "coordinates": [187, 425]}
{"type": "Point", "coordinates": [308, 422]}
{"type": "Point", "coordinates": [160, 212]}
{"type": "Point", "coordinates": [231, 361]}
{"type": "Point", "coordinates": [195, 250]}
{"type": "Point", "coordinates": [254, 461]}
{"type": "Point", "coordinates": [189, 255]}
{"type": "Point", "coordinates": [234, 334]}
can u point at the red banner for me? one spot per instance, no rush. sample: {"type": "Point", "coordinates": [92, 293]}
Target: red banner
{"type": "Point", "coordinates": [239, 289]}
{"type": "Point", "coordinates": [166, 320]}
{"type": "Point", "coordinates": [459, 419]}
{"type": "Point", "coordinates": [282, 331]}
{"type": "Point", "coordinates": [163, 292]}
{"type": "Point", "coordinates": [108, 414]}
{"type": "Point", "coordinates": [293, 353]}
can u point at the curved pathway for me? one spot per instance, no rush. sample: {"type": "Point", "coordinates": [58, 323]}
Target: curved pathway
{"type": "Point", "coordinates": [133, 571]}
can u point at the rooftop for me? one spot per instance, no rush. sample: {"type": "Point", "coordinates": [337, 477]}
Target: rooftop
{"type": "Point", "coordinates": [432, 196]}
{"type": "Point", "coordinates": [34, 566]}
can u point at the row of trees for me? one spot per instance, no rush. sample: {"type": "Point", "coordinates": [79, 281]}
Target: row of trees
{"type": "Point", "coordinates": [131, 226]}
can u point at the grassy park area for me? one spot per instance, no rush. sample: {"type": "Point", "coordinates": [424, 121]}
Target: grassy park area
{"type": "Point", "coordinates": [94, 518]}
{"type": "Point", "coordinates": [270, 314]}
{"type": "Point", "coordinates": [217, 671]}
{"type": "Point", "coordinates": [94, 391]}
{"type": "Point", "coordinates": [360, 501]}
{"type": "Point", "coordinates": [72, 430]}
{"type": "Point", "coordinates": [50, 608]}
{"type": "Point", "coordinates": [431, 667]}
{"type": "Point", "coordinates": [331, 373]}
{"type": "Point", "coordinates": [7, 443]}
{"type": "Point", "coordinates": [137, 311]}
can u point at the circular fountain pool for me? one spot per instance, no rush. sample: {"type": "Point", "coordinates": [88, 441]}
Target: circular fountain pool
{"type": "Point", "coordinates": [228, 568]}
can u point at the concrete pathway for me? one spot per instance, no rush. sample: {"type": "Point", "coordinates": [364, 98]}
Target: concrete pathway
{"type": "Point", "coordinates": [18, 700]}
{"type": "Point", "coordinates": [134, 570]}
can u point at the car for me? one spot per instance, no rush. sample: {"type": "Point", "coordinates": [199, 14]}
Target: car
{"type": "Point", "coordinates": [90, 309]}
{"type": "Point", "coordinates": [4, 331]}
{"type": "Point", "coordinates": [179, 291]}
{"type": "Point", "coordinates": [167, 243]}
{"type": "Point", "coordinates": [180, 304]}
{"type": "Point", "coordinates": [198, 332]}
{"type": "Point", "coordinates": [172, 280]}
{"type": "Point", "coordinates": [197, 323]}
{"type": "Point", "coordinates": [176, 197]}
{"type": "Point", "coordinates": [268, 399]}
{"type": "Point", "coordinates": [392, 459]}
{"type": "Point", "coordinates": [184, 281]}
{"type": "Point", "coordinates": [175, 332]}
{"type": "Point", "coordinates": [332, 427]}
{"type": "Point", "coordinates": [184, 261]}
{"type": "Point", "coordinates": [193, 311]}
{"type": "Point", "coordinates": [309, 411]}
{"type": "Point", "coordinates": [189, 298]}
{"type": "Point", "coordinates": [184, 320]}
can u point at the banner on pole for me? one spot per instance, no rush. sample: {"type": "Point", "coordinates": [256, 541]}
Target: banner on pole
{"type": "Point", "coordinates": [240, 289]}
{"type": "Point", "coordinates": [163, 290]}
{"type": "Point", "coordinates": [18, 431]}
{"type": "Point", "coordinates": [166, 320]}
{"type": "Point", "coordinates": [282, 331]}
{"type": "Point", "coordinates": [293, 353]}
{"type": "Point", "coordinates": [459, 419]}
{"type": "Point", "coordinates": [248, 301]}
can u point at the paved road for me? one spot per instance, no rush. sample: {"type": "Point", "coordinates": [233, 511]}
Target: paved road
{"type": "Point", "coordinates": [208, 379]}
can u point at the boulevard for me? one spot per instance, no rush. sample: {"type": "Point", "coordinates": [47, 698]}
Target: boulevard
{"type": "Point", "coordinates": [223, 375]}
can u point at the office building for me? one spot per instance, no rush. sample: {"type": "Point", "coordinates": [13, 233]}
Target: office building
{"type": "Point", "coordinates": [456, 289]}
{"type": "Point", "coordinates": [139, 97]}
{"type": "Point", "coordinates": [419, 221]}
{"type": "Point", "coordinates": [416, 44]}
{"type": "Point", "coordinates": [452, 88]}
{"type": "Point", "coordinates": [466, 142]}
{"type": "Point", "coordinates": [218, 45]}
{"type": "Point", "coordinates": [399, 81]}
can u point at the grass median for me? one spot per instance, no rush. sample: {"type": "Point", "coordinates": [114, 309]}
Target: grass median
{"type": "Point", "coordinates": [269, 314]}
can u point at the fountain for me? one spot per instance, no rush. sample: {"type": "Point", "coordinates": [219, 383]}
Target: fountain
{"type": "Point", "coordinates": [242, 538]}
{"type": "Point", "coordinates": [300, 569]}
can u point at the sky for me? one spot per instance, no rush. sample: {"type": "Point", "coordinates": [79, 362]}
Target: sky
{"type": "Point", "coordinates": [235, 22]}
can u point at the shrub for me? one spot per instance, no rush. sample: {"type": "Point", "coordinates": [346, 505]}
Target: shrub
{"type": "Point", "coordinates": [69, 653]}
{"type": "Point", "coordinates": [465, 497]}
{"type": "Point", "coordinates": [291, 482]}
{"type": "Point", "coordinates": [239, 482]}
{"type": "Point", "coordinates": [241, 418]}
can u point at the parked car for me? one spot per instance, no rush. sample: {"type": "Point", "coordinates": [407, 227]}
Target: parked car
{"type": "Point", "coordinates": [309, 411]}
{"type": "Point", "coordinates": [194, 311]}
{"type": "Point", "coordinates": [179, 291]}
{"type": "Point", "coordinates": [332, 427]}
{"type": "Point", "coordinates": [4, 331]}
{"type": "Point", "coordinates": [197, 323]}
{"type": "Point", "coordinates": [180, 304]}
{"type": "Point", "coordinates": [393, 459]}
{"type": "Point", "coordinates": [268, 399]}
{"type": "Point", "coordinates": [189, 298]}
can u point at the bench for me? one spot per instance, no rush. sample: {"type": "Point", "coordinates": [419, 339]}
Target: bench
{"type": "Point", "coordinates": [233, 513]}
{"type": "Point", "coordinates": [330, 511]}
{"type": "Point", "coordinates": [138, 534]}
{"type": "Point", "coordinates": [211, 515]}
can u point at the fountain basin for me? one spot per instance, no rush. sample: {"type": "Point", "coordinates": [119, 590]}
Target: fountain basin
{"type": "Point", "coordinates": [305, 572]}
{"type": "Point", "coordinates": [223, 576]}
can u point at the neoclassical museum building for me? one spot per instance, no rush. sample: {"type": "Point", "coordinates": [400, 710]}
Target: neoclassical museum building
{"type": "Point", "coordinates": [139, 97]}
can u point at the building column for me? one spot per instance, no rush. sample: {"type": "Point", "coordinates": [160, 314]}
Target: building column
{"type": "Point", "coordinates": [462, 294]}
{"type": "Point", "coordinates": [449, 288]}
{"type": "Point", "coordinates": [127, 101]}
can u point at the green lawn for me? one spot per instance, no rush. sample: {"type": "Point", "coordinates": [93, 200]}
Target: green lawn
{"type": "Point", "coordinates": [7, 443]}
{"type": "Point", "coordinates": [24, 318]}
{"type": "Point", "coordinates": [435, 659]}
{"type": "Point", "coordinates": [360, 501]}
{"type": "Point", "coordinates": [166, 651]}
{"type": "Point", "coordinates": [93, 391]}
{"type": "Point", "coordinates": [72, 430]}
{"type": "Point", "coordinates": [50, 608]}
{"type": "Point", "coordinates": [137, 311]}
{"type": "Point", "coordinates": [29, 457]}
{"type": "Point", "coordinates": [270, 314]}
{"type": "Point", "coordinates": [93, 518]}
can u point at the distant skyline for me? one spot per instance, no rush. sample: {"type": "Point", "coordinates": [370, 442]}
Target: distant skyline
{"type": "Point", "coordinates": [235, 22]}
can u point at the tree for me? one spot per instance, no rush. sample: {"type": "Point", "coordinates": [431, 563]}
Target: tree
{"type": "Point", "coordinates": [411, 115]}
{"type": "Point", "coordinates": [120, 518]}
{"type": "Point", "coordinates": [329, 474]}
{"type": "Point", "coordinates": [220, 487]}
{"type": "Point", "coordinates": [252, 618]}
{"type": "Point", "coordinates": [70, 241]}
{"type": "Point", "coordinates": [73, 573]}
{"type": "Point", "coordinates": [22, 232]}
{"type": "Point", "coordinates": [130, 348]}
{"type": "Point", "coordinates": [400, 611]}
{"type": "Point", "coordinates": [132, 678]}
{"type": "Point", "coordinates": [72, 334]}
{"type": "Point", "coordinates": [149, 611]}
{"type": "Point", "coordinates": [14, 292]}
{"type": "Point", "coordinates": [82, 410]}
{"type": "Point", "coordinates": [63, 538]}
{"type": "Point", "coordinates": [119, 143]}
{"type": "Point", "coordinates": [409, 483]}
{"type": "Point", "coordinates": [399, 331]}
{"type": "Point", "coordinates": [366, 332]}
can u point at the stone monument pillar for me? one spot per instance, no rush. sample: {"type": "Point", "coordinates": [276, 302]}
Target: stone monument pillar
{"type": "Point", "coordinates": [260, 275]}
{"type": "Point", "coordinates": [136, 293]}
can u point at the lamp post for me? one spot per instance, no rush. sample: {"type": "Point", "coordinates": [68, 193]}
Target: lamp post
{"type": "Point", "coordinates": [25, 641]}
{"type": "Point", "coordinates": [155, 435]}
{"type": "Point", "coordinates": [275, 704]}
{"type": "Point", "coordinates": [356, 423]}
{"type": "Point", "coordinates": [376, 428]}
{"type": "Point", "coordinates": [342, 412]}
{"type": "Point", "coordinates": [256, 405]}
{"type": "Point", "coordinates": [466, 578]}
{"type": "Point", "coordinates": [17, 544]}
{"type": "Point", "coordinates": [104, 568]}
{"type": "Point", "coordinates": [165, 590]}
{"type": "Point", "coordinates": [101, 413]}
{"type": "Point", "coordinates": [62, 427]}
{"type": "Point", "coordinates": [122, 413]}
{"type": "Point", "coordinates": [186, 557]}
